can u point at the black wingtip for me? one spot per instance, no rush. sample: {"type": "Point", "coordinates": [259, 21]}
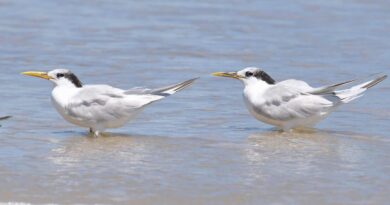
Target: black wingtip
{"type": "Point", "coordinates": [185, 84]}
{"type": "Point", "coordinates": [5, 117]}
{"type": "Point", "coordinates": [376, 81]}
{"type": "Point", "coordinates": [165, 91]}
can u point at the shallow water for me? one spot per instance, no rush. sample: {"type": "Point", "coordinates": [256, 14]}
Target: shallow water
{"type": "Point", "coordinates": [199, 146]}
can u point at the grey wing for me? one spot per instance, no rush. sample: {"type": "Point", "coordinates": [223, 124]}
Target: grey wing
{"type": "Point", "coordinates": [101, 103]}
{"type": "Point", "coordinates": [329, 89]}
{"type": "Point", "coordinates": [327, 92]}
{"type": "Point", "coordinates": [338, 95]}
{"type": "Point", "coordinates": [283, 102]}
{"type": "Point", "coordinates": [303, 86]}
{"type": "Point", "coordinates": [138, 91]}
{"type": "Point", "coordinates": [296, 85]}
{"type": "Point", "coordinates": [332, 89]}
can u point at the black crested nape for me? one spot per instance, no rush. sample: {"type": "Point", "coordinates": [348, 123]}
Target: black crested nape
{"type": "Point", "coordinates": [265, 77]}
{"type": "Point", "coordinates": [73, 78]}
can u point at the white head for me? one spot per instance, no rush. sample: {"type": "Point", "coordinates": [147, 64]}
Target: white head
{"type": "Point", "coordinates": [60, 77]}
{"type": "Point", "coordinates": [248, 76]}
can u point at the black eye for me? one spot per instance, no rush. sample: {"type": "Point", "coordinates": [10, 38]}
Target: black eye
{"type": "Point", "coordinates": [59, 75]}
{"type": "Point", "coordinates": [248, 74]}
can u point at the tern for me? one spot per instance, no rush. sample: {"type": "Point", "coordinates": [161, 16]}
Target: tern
{"type": "Point", "coordinates": [292, 104]}
{"type": "Point", "coordinates": [99, 107]}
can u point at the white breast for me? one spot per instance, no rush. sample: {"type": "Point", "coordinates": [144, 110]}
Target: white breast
{"type": "Point", "coordinates": [60, 98]}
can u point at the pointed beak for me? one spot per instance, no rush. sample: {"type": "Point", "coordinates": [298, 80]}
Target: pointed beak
{"type": "Point", "coordinates": [227, 74]}
{"type": "Point", "coordinates": [37, 74]}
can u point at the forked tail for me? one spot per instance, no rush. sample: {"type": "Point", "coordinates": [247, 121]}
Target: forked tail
{"type": "Point", "coordinates": [357, 91]}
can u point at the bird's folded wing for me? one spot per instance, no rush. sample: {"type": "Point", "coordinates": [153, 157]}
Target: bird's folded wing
{"type": "Point", "coordinates": [359, 84]}
{"type": "Point", "coordinates": [101, 103]}
{"type": "Point", "coordinates": [283, 102]}
{"type": "Point", "coordinates": [329, 88]}
{"type": "Point", "coordinates": [137, 91]}
{"type": "Point", "coordinates": [295, 85]}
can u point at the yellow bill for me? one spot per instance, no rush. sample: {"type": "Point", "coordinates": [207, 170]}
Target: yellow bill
{"type": "Point", "coordinates": [227, 74]}
{"type": "Point", "coordinates": [37, 74]}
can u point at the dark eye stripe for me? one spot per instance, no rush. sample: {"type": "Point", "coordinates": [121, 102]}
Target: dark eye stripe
{"type": "Point", "coordinates": [59, 75]}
